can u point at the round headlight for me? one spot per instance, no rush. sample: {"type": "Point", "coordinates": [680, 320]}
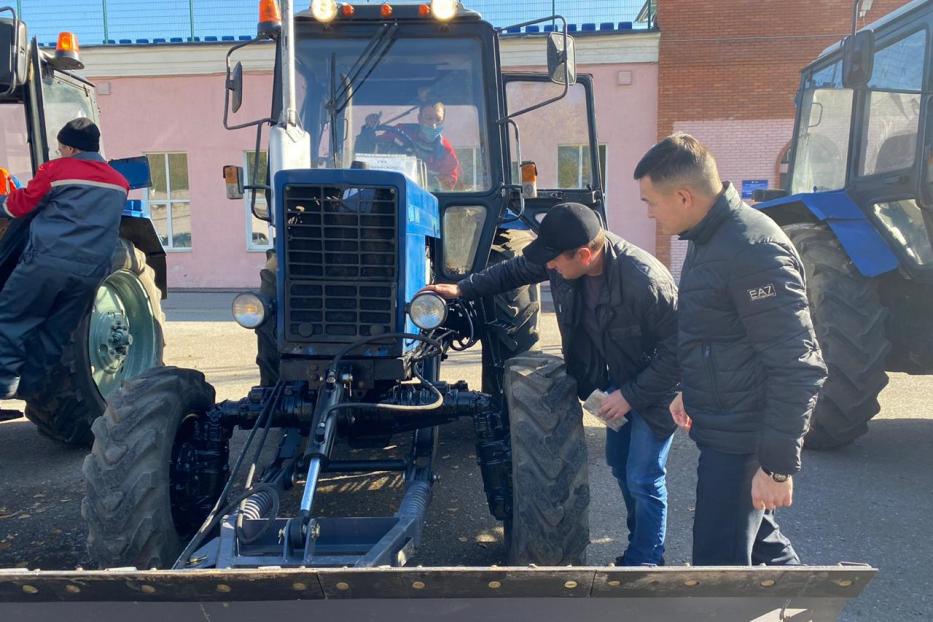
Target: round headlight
{"type": "Point", "coordinates": [249, 310]}
{"type": "Point", "coordinates": [444, 10]}
{"type": "Point", "coordinates": [427, 311]}
{"type": "Point", "coordinates": [324, 10]}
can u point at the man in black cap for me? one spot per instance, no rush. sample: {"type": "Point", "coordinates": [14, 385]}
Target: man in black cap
{"type": "Point", "coordinates": [616, 311]}
{"type": "Point", "coordinates": [75, 203]}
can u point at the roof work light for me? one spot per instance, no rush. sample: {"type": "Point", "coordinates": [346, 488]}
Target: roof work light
{"type": "Point", "coordinates": [444, 10]}
{"type": "Point", "coordinates": [324, 11]}
{"type": "Point", "coordinates": [66, 52]}
{"type": "Point", "coordinates": [270, 19]}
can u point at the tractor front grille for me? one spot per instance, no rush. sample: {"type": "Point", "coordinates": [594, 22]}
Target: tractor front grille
{"type": "Point", "coordinates": [341, 262]}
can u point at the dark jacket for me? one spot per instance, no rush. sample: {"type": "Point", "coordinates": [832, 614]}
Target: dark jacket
{"type": "Point", "coordinates": [78, 203]}
{"type": "Point", "coordinates": [750, 364]}
{"type": "Point", "coordinates": [637, 317]}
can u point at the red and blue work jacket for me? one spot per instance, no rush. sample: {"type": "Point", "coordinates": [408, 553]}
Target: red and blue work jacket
{"type": "Point", "coordinates": [77, 203]}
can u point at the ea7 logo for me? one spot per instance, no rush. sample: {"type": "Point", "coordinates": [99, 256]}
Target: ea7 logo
{"type": "Point", "coordinates": [760, 293]}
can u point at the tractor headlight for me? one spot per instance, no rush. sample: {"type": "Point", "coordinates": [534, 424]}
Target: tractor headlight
{"type": "Point", "coordinates": [427, 311]}
{"type": "Point", "coordinates": [444, 10]}
{"type": "Point", "coordinates": [324, 11]}
{"type": "Point", "coordinates": [249, 310]}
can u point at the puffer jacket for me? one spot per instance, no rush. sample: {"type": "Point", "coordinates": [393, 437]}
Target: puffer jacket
{"type": "Point", "coordinates": [78, 203]}
{"type": "Point", "coordinates": [637, 316]}
{"type": "Point", "coordinates": [750, 363]}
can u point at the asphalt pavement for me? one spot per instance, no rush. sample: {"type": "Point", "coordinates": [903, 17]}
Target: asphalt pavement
{"type": "Point", "coordinates": [869, 502]}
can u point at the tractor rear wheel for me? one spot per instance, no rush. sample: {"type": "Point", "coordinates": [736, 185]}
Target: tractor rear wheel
{"type": "Point", "coordinates": [151, 477]}
{"type": "Point", "coordinates": [849, 320]}
{"type": "Point", "coordinates": [550, 484]}
{"type": "Point", "coordinates": [121, 337]}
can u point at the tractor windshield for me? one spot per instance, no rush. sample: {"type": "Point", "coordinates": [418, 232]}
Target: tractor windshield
{"type": "Point", "coordinates": [414, 105]}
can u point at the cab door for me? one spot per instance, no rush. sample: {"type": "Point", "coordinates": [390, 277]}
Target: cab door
{"type": "Point", "coordinates": [57, 97]}
{"type": "Point", "coordinates": [560, 138]}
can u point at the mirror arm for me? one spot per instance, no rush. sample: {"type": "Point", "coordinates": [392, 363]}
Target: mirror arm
{"type": "Point", "coordinates": [563, 93]}
{"type": "Point", "coordinates": [227, 125]}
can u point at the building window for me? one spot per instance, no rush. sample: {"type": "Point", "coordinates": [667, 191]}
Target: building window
{"type": "Point", "coordinates": [574, 169]}
{"type": "Point", "coordinates": [258, 231]}
{"type": "Point", "coordinates": [169, 199]}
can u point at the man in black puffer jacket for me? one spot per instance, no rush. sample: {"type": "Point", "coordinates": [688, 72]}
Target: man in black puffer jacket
{"type": "Point", "coordinates": [616, 311]}
{"type": "Point", "coordinates": [751, 368]}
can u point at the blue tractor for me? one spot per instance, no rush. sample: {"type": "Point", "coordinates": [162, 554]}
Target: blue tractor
{"type": "Point", "coordinates": [859, 207]}
{"type": "Point", "coordinates": [121, 335]}
{"type": "Point", "coordinates": [365, 215]}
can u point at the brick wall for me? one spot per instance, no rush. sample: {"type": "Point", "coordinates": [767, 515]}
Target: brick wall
{"type": "Point", "coordinates": [737, 63]}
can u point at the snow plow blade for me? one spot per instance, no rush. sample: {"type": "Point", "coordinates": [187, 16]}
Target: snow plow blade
{"type": "Point", "coordinates": [800, 594]}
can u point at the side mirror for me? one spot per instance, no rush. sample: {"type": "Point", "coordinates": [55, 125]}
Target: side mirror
{"type": "Point", "coordinates": [561, 65]}
{"type": "Point", "coordinates": [135, 170]}
{"type": "Point", "coordinates": [13, 57]}
{"type": "Point", "coordinates": [235, 86]}
{"type": "Point", "coordinates": [858, 55]}
{"type": "Point", "coordinates": [233, 179]}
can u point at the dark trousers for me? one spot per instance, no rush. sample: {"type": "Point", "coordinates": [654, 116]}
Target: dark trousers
{"type": "Point", "coordinates": [40, 306]}
{"type": "Point", "coordinates": [727, 529]}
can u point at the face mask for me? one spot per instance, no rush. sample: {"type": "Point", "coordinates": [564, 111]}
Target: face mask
{"type": "Point", "coordinates": [431, 134]}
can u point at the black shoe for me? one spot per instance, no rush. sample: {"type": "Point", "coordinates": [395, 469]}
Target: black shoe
{"type": "Point", "coordinates": [9, 415]}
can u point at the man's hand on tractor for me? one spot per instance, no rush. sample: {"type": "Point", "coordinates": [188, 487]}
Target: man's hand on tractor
{"type": "Point", "coordinates": [447, 291]}
{"type": "Point", "coordinates": [768, 494]}
{"type": "Point", "coordinates": [679, 413]}
{"type": "Point", "coordinates": [614, 407]}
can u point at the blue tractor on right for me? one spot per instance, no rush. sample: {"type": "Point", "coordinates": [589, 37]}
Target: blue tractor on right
{"type": "Point", "coordinates": [859, 207]}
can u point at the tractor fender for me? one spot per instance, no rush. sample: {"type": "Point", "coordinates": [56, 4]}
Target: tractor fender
{"type": "Point", "coordinates": [136, 227]}
{"type": "Point", "coordinates": [864, 245]}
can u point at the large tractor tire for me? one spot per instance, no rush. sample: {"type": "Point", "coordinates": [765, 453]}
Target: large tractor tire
{"type": "Point", "coordinates": [550, 484]}
{"type": "Point", "coordinates": [145, 493]}
{"type": "Point", "coordinates": [850, 326]}
{"type": "Point", "coordinates": [267, 352]}
{"type": "Point", "coordinates": [516, 311]}
{"type": "Point", "coordinates": [120, 338]}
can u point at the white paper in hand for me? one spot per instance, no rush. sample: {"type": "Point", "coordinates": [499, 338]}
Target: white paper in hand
{"type": "Point", "coordinates": [593, 404]}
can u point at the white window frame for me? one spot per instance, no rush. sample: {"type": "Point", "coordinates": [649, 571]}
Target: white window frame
{"type": "Point", "coordinates": [170, 202]}
{"type": "Point", "coordinates": [252, 247]}
{"type": "Point", "coordinates": [580, 150]}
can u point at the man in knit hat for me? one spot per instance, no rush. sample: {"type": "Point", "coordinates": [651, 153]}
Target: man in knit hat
{"type": "Point", "coordinates": [75, 203]}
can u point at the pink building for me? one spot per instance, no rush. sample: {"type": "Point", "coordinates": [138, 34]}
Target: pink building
{"type": "Point", "coordinates": [167, 101]}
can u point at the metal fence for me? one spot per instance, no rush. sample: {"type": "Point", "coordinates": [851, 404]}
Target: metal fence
{"type": "Point", "coordinates": [129, 21]}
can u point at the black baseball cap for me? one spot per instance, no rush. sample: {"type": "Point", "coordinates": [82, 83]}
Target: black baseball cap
{"type": "Point", "coordinates": [566, 227]}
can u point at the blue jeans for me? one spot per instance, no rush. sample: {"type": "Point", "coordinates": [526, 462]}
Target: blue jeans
{"type": "Point", "coordinates": [638, 460]}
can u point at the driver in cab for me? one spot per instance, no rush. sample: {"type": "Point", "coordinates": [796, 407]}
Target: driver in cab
{"type": "Point", "coordinates": [423, 139]}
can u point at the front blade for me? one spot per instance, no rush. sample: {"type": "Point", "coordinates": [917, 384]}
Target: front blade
{"type": "Point", "coordinates": [801, 594]}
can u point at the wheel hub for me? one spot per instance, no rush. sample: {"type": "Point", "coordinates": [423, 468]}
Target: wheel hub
{"type": "Point", "coordinates": [111, 333]}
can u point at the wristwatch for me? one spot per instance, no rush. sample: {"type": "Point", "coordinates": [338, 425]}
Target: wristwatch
{"type": "Point", "coordinates": [778, 477]}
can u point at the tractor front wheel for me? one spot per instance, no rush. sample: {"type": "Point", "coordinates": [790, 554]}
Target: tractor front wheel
{"type": "Point", "coordinates": [153, 473]}
{"type": "Point", "coordinates": [550, 484]}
